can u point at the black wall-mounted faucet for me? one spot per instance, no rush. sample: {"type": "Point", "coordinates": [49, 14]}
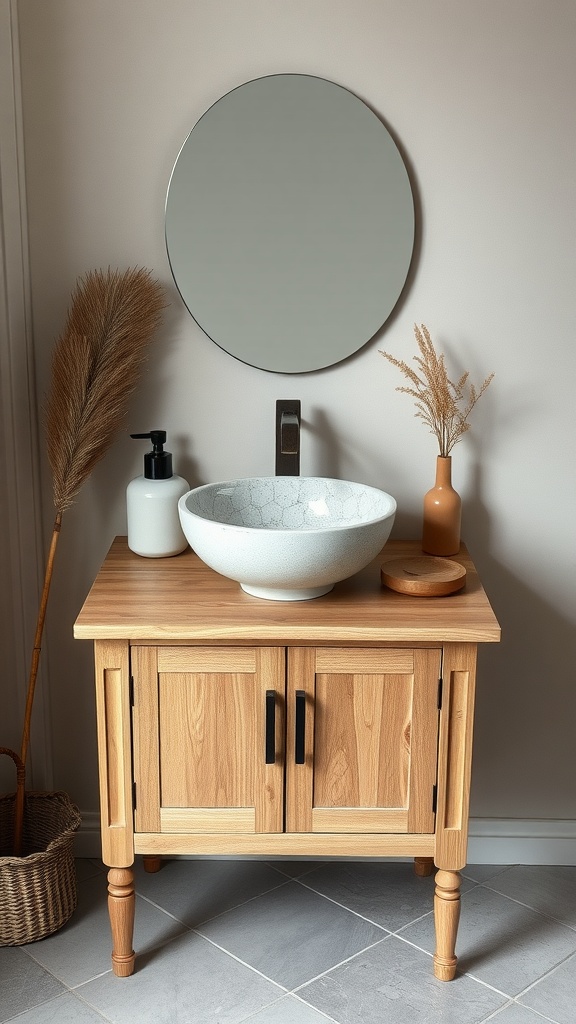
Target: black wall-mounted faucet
{"type": "Point", "coordinates": [288, 437]}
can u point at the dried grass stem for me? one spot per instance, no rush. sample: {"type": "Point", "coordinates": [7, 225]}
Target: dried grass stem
{"type": "Point", "coordinates": [95, 367]}
{"type": "Point", "coordinates": [444, 405]}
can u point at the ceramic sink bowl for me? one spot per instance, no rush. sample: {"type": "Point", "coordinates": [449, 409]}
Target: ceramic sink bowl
{"type": "Point", "coordinates": [286, 538]}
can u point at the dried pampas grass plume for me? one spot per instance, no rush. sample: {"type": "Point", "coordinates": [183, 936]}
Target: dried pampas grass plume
{"type": "Point", "coordinates": [95, 367]}
{"type": "Point", "coordinates": [438, 399]}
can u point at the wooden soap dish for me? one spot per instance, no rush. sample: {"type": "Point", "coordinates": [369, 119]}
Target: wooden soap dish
{"type": "Point", "coordinates": [424, 576]}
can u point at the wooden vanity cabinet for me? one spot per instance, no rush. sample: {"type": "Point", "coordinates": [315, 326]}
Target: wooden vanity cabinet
{"type": "Point", "coordinates": [227, 724]}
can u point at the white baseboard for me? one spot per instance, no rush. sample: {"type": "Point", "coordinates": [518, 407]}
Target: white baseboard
{"type": "Point", "coordinates": [87, 841]}
{"type": "Point", "coordinates": [521, 841]}
{"type": "Point", "coordinates": [491, 840]}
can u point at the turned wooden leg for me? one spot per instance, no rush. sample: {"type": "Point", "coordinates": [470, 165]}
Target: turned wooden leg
{"type": "Point", "coordinates": [121, 902]}
{"type": "Point", "coordinates": [152, 863]}
{"type": "Point", "coordinates": [423, 866]}
{"type": "Point", "coordinates": [446, 916]}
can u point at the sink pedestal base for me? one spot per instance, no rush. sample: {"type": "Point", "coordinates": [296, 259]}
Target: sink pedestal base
{"type": "Point", "coordinates": [276, 594]}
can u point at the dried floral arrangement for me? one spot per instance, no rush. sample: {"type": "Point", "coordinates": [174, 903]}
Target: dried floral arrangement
{"type": "Point", "coordinates": [444, 405]}
{"type": "Point", "coordinates": [96, 365]}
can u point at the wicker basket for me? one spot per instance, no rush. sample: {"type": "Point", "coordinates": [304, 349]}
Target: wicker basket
{"type": "Point", "coordinates": [37, 890]}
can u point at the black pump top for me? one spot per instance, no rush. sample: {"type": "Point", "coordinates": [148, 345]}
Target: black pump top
{"type": "Point", "coordinates": [157, 463]}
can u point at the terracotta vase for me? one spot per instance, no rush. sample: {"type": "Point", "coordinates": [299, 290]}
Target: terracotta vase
{"type": "Point", "coordinates": [442, 513]}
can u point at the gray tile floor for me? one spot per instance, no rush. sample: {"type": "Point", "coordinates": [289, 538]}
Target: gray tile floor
{"type": "Point", "coordinates": [224, 942]}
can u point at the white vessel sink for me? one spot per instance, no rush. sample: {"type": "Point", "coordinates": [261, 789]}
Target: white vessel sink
{"type": "Point", "coordinates": [286, 538]}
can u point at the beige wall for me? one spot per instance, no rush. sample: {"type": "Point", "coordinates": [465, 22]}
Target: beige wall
{"type": "Point", "coordinates": [481, 96]}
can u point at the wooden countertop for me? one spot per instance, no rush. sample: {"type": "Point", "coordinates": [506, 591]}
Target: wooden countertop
{"type": "Point", "coordinates": [181, 599]}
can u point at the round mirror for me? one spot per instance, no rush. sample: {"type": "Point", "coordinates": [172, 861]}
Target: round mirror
{"type": "Point", "coordinates": [290, 223]}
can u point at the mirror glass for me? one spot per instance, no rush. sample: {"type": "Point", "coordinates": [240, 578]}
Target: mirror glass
{"type": "Point", "coordinates": [290, 223]}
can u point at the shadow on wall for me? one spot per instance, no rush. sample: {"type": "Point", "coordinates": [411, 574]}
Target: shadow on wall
{"type": "Point", "coordinates": [526, 707]}
{"type": "Point", "coordinates": [525, 731]}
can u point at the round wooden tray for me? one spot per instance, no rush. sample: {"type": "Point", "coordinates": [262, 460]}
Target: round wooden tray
{"type": "Point", "coordinates": [423, 576]}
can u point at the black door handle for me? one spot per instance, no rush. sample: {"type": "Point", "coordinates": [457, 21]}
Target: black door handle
{"type": "Point", "coordinates": [300, 730]}
{"type": "Point", "coordinates": [270, 726]}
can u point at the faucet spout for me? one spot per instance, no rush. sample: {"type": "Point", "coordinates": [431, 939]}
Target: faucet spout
{"type": "Point", "coordinates": [287, 437]}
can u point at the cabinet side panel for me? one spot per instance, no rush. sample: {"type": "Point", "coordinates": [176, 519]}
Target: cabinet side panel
{"type": "Point", "coordinates": [455, 755]}
{"type": "Point", "coordinates": [115, 790]}
{"type": "Point", "coordinates": [146, 743]}
{"type": "Point", "coordinates": [114, 751]}
{"type": "Point", "coordinates": [424, 744]}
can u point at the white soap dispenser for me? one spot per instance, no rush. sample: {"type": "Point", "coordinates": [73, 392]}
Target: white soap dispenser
{"type": "Point", "coordinates": [154, 529]}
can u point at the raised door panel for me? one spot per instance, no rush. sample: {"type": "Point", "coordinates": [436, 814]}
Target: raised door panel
{"type": "Point", "coordinates": [200, 739]}
{"type": "Point", "coordinates": [370, 724]}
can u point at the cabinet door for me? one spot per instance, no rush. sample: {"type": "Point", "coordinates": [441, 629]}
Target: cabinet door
{"type": "Point", "coordinates": [362, 736]}
{"type": "Point", "coordinates": [208, 739]}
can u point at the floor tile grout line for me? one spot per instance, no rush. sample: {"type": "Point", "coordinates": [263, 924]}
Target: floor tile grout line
{"type": "Point", "coordinates": [369, 920]}
{"type": "Point", "coordinates": [528, 906]}
{"type": "Point", "coordinates": [75, 991]}
{"type": "Point", "coordinates": [52, 999]}
{"type": "Point", "coordinates": [44, 968]}
{"type": "Point", "coordinates": [233, 956]}
{"type": "Point", "coordinates": [463, 974]}
{"type": "Point", "coordinates": [256, 1013]}
{"type": "Point", "coordinates": [66, 986]}
{"type": "Point", "coordinates": [163, 910]}
{"type": "Point", "coordinates": [334, 967]}
{"type": "Point", "coordinates": [493, 1015]}
{"type": "Point", "coordinates": [229, 910]}
{"type": "Point", "coordinates": [547, 974]}
{"type": "Point", "coordinates": [343, 906]}
{"type": "Point", "coordinates": [44, 1002]}
{"type": "Point", "coordinates": [157, 946]}
{"type": "Point", "coordinates": [294, 878]}
{"type": "Point", "coordinates": [296, 989]}
{"type": "Point", "coordinates": [245, 903]}
{"type": "Point", "coordinates": [541, 1016]}
{"type": "Point", "coordinates": [102, 974]}
{"type": "Point", "coordinates": [107, 1020]}
{"type": "Point", "coordinates": [513, 1002]}
{"type": "Point", "coordinates": [503, 869]}
{"type": "Point", "coordinates": [474, 977]}
{"type": "Point", "coordinates": [484, 881]}
{"type": "Point", "coordinates": [480, 981]}
{"type": "Point", "coordinates": [328, 1017]}
{"type": "Point", "coordinates": [398, 932]}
